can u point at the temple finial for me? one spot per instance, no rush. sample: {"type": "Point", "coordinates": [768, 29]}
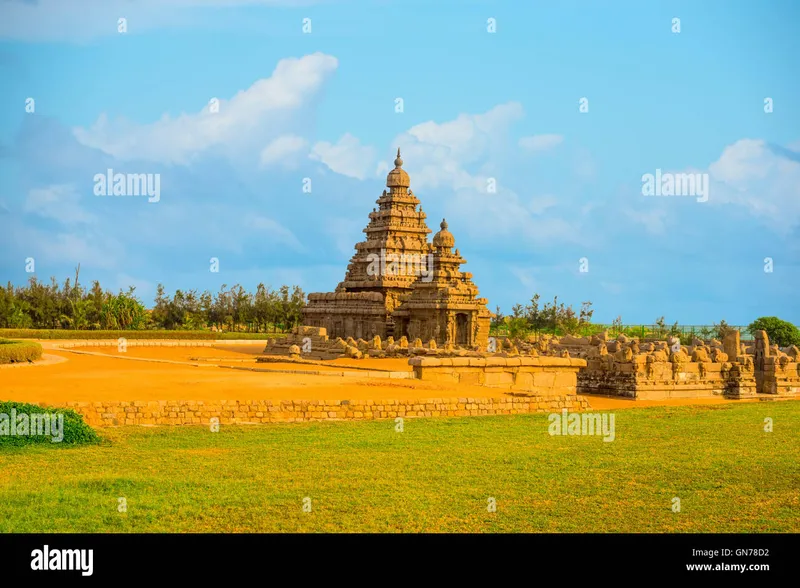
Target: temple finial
{"type": "Point", "coordinates": [398, 162]}
{"type": "Point", "coordinates": [443, 225]}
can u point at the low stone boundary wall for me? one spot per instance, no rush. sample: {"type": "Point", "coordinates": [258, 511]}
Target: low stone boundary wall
{"type": "Point", "coordinates": [664, 380]}
{"type": "Point", "coordinates": [178, 412]}
{"type": "Point", "coordinates": [156, 343]}
{"type": "Point", "coordinates": [780, 376]}
{"type": "Point", "coordinates": [535, 376]}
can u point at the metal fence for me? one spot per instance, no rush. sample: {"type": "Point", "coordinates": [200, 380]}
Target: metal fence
{"type": "Point", "coordinates": [644, 331]}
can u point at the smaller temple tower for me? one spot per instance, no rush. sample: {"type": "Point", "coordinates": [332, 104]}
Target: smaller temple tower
{"type": "Point", "coordinates": [446, 307]}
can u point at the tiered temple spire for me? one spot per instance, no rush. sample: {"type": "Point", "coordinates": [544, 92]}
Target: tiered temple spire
{"type": "Point", "coordinates": [400, 284]}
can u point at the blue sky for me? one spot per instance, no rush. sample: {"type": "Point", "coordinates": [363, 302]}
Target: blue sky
{"type": "Point", "coordinates": [476, 106]}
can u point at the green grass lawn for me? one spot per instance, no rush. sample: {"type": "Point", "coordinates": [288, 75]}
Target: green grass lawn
{"type": "Point", "coordinates": [436, 476]}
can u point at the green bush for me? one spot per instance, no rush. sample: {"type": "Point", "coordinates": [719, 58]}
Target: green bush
{"type": "Point", "coordinates": [75, 431]}
{"type": "Point", "coordinates": [16, 351]}
{"type": "Point", "coordinates": [781, 333]}
{"type": "Point", "coordinates": [129, 334]}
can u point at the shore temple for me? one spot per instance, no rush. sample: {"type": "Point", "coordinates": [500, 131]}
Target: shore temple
{"type": "Point", "coordinates": [400, 284]}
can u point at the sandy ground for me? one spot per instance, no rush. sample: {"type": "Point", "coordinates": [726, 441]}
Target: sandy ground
{"type": "Point", "coordinates": [104, 375]}
{"type": "Point", "coordinates": [88, 378]}
{"type": "Point", "coordinates": [245, 355]}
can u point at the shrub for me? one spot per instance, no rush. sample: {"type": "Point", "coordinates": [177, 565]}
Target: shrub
{"type": "Point", "coordinates": [780, 332]}
{"type": "Point", "coordinates": [259, 336]}
{"type": "Point", "coordinates": [75, 430]}
{"type": "Point", "coordinates": [16, 351]}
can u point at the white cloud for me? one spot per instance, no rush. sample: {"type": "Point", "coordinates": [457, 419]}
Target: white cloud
{"type": "Point", "coordinates": [540, 204]}
{"type": "Point", "coordinates": [654, 221]}
{"type": "Point", "coordinates": [81, 20]}
{"type": "Point", "coordinates": [439, 153]}
{"type": "Point", "coordinates": [251, 114]}
{"type": "Point", "coordinates": [504, 215]}
{"type": "Point", "coordinates": [763, 179]}
{"type": "Point", "coordinates": [347, 157]}
{"type": "Point", "coordinates": [540, 142]}
{"type": "Point", "coordinates": [59, 202]}
{"type": "Point", "coordinates": [283, 151]}
{"type": "Point", "coordinates": [272, 231]}
{"type": "Point", "coordinates": [90, 249]}
{"type": "Point", "coordinates": [461, 156]}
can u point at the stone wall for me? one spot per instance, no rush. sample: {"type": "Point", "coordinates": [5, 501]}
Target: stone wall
{"type": "Point", "coordinates": [534, 376]}
{"type": "Point", "coordinates": [781, 378]}
{"type": "Point", "coordinates": [660, 380]}
{"type": "Point", "coordinates": [155, 343]}
{"type": "Point", "coordinates": [343, 314]}
{"type": "Point", "coordinates": [177, 412]}
{"type": "Point", "coordinates": [663, 369]}
{"type": "Point", "coordinates": [306, 342]}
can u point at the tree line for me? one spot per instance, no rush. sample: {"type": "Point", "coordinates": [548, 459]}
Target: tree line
{"type": "Point", "coordinates": [560, 319]}
{"type": "Point", "coordinates": [551, 317]}
{"type": "Point", "coordinates": [38, 305]}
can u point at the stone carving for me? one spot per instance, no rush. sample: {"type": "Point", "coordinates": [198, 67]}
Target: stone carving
{"type": "Point", "coordinates": [762, 350]}
{"type": "Point", "coordinates": [731, 344]}
{"type": "Point", "coordinates": [718, 356]}
{"type": "Point", "coordinates": [665, 369]}
{"type": "Point", "coordinates": [353, 352]}
{"type": "Point", "coordinates": [747, 363]}
{"type": "Point", "coordinates": [660, 356]}
{"type": "Point", "coordinates": [775, 351]}
{"type": "Point", "coordinates": [624, 354]}
{"type": "Point", "coordinates": [678, 359]}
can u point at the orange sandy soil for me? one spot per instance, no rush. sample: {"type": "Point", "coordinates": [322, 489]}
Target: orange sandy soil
{"type": "Point", "coordinates": [89, 378]}
{"type": "Point", "coordinates": [244, 355]}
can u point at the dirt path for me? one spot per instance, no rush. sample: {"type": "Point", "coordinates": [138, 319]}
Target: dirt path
{"type": "Point", "coordinates": [89, 378]}
{"type": "Point", "coordinates": [47, 359]}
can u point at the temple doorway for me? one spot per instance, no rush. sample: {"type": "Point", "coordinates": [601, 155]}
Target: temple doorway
{"type": "Point", "coordinates": [462, 334]}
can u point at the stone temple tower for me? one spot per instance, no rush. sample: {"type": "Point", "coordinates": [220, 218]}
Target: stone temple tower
{"type": "Point", "coordinates": [399, 284]}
